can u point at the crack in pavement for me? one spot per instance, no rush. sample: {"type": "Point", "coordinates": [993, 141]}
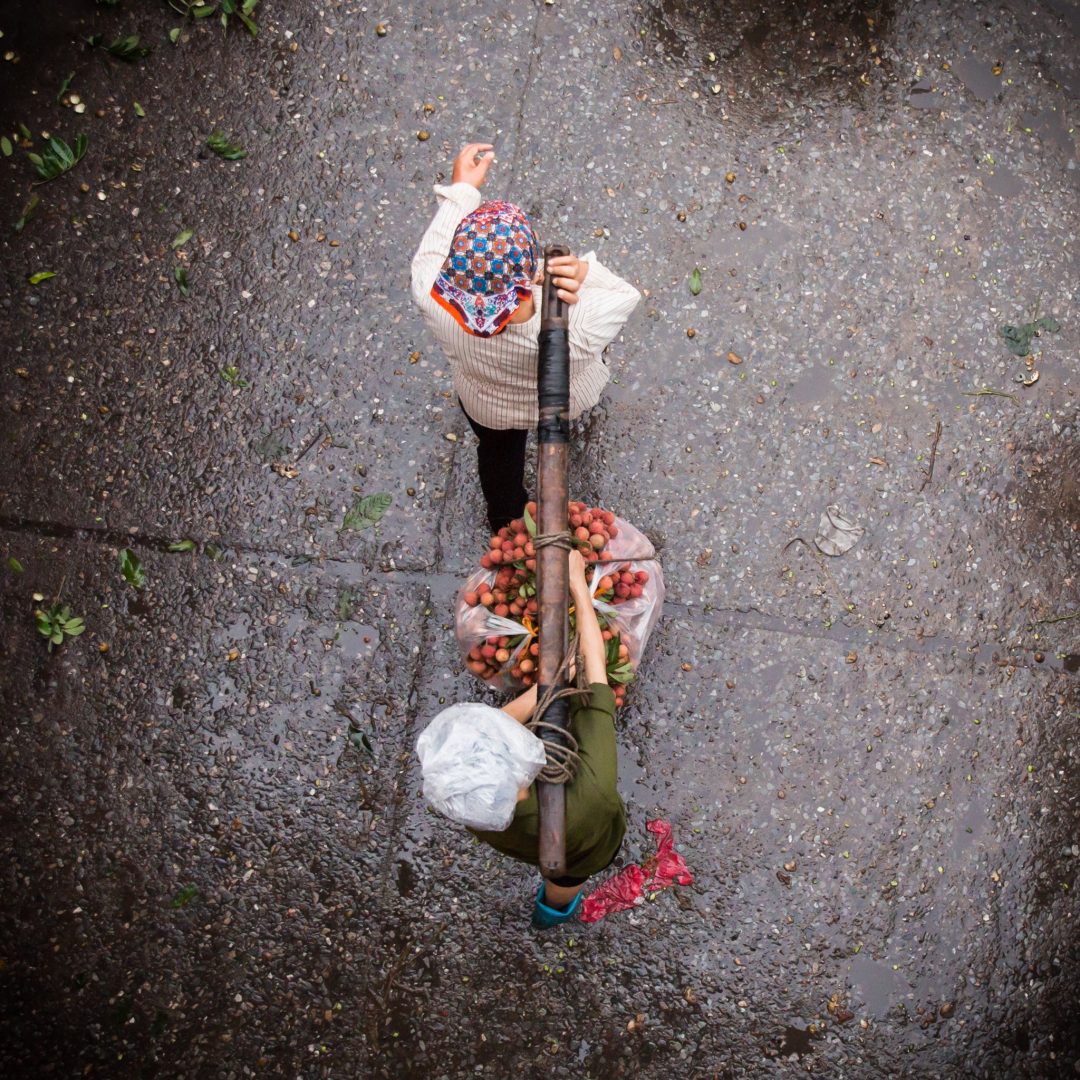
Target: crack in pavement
{"type": "Point", "coordinates": [400, 811]}
{"type": "Point", "coordinates": [519, 119]}
{"type": "Point", "coordinates": [442, 584]}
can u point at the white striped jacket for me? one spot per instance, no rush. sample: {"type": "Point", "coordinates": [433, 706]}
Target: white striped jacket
{"type": "Point", "coordinates": [496, 377]}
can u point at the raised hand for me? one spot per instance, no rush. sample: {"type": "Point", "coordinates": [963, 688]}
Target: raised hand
{"type": "Point", "coordinates": [472, 164]}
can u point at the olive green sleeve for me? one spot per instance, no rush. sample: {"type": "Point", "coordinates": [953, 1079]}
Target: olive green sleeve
{"type": "Point", "coordinates": [593, 725]}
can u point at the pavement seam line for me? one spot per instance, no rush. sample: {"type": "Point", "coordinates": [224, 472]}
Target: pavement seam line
{"type": "Point", "coordinates": [530, 74]}
{"type": "Point", "coordinates": [687, 611]}
{"type": "Point", "coordinates": [400, 811]}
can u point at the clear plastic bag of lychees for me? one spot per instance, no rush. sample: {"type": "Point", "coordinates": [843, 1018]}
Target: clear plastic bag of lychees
{"type": "Point", "coordinates": [496, 618]}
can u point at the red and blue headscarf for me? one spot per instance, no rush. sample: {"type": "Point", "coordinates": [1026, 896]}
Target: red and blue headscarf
{"type": "Point", "coordinates": [490, 269]}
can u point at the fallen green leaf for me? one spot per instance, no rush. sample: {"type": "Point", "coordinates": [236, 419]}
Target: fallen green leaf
{"type": "Point", "coordinates": [1018, 338]}
{"type": "Point", "coordinates": [58, 622]}
{"type": "Point", "coordinates": [359, 740]}
{"type": "Point", "coordinates": [185, 896]}
{"type": "Point", "coordinates": [139, 110]}
{"type": "Point", "coordinates": [132, 569]}
{"type": "Point", "coordinates": [219, 143]}
{"type": "Point", "coordinates": [183, 545]}
{"type": "Point", "coordinates": [15, 565]}
{"type": "Point", "coordinates": [182, 238]}
{"type": "Point", "coordinates": [5, 146]}
{"type": "Point", "coordinates": [28, 211]}
{"type": "Point", "coordinates": [367, 511]}
{"type": "Point", "coordinates": [182, 280]}
{"type": "Point", "coordinates": [174, 34]}
{"type": "Point", "coordinates": [65, 86]}
{"type": "Point", "coordinates": [41, 275]}
{"type": "Point", "coordinates": [695, 282]}
{"type": "Point", "coordinates": [224, 9]}
{"type": "Point", "coordinates": [58, 157]}
{"type": "Point", "coordinates": [24, 131]}
{"type": "Point", "coordinates": [231, 375]}
{"type": "Point", "coordinates": [128, 49]}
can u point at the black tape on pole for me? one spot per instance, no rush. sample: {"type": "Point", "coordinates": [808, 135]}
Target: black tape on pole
{"type": "Point", "coordinates": [554, 386]}
{"type": "Point", "coordinates": [554, 383]}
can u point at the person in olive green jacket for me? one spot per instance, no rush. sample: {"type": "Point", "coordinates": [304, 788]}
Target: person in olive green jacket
{"type": "Point", "coordinates": [595, 815]}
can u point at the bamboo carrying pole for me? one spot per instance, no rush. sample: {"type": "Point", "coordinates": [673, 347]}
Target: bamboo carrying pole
{"type": "Point", "coordinates": [552, 562]}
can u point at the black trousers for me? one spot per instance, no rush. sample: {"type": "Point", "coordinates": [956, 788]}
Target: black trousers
{"type": "Point", "coordinates": [500, 457]}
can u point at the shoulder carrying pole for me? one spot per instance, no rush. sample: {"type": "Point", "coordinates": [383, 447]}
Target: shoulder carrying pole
{"type": "Point", "coordinates": [552, 563]}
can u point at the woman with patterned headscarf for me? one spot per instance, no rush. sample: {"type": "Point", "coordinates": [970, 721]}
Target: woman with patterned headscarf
{"type": "Point", "coordinates": [476, 277]}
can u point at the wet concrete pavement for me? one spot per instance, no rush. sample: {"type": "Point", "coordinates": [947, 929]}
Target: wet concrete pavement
{"type": "Point", "coordinates": [216, 858]}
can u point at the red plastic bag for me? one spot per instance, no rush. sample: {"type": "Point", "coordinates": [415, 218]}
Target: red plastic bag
{"type": "Point", "coordinates": [627, 888]}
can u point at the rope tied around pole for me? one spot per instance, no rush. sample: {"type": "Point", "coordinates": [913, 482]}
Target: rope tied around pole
{"type": "Point", "coordinates": [562, 760]}
{"type": "Point", "coordinates": [563, 539]}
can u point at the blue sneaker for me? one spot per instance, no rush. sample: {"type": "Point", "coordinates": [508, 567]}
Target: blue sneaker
{"type": "Point", "coordinates": [544, 917]}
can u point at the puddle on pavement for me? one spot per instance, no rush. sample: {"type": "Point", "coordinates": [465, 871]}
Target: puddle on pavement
{"type": "Point", "coordinates": [1069, 11]}
{"type": "Point", "coordinates": [978, 76]}
{"type": "Point", "coordinates": [969, 829]}
{"type": "Point", "coordinates": [794, 1041]}
{"type": "Point", "coordinates": [815, 385]}
{"type": "Point", "coordinates": [405, 877]}
{"type": "Point", "coordinates": [925, 95]}
{"type": "Point", "coordinates": [874, 985]}
{"type": "Point", "coordinates": [1050, 126]}
{"type": "Point", "coordinates": [774, 57]}
{"type": "Point", "coordinates": [1002, 182]}
{"type": "Point", "coordinates": [355, 642]}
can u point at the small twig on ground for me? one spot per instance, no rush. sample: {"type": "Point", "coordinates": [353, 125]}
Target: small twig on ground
{"type": "Point", "coordinates": [314, 440]}
{"type": "Point", "coordinates": [1058, 618]}
{"type": "Point", "coordinates": [933, 457]}
{"type": "Point", "coordinates": [987, 392]}
{"type": "Point", "coordinates": [383, 997]}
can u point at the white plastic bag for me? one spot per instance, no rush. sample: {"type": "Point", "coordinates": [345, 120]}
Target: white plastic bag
{"type": "Point", "coordinates": [475, 759]}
